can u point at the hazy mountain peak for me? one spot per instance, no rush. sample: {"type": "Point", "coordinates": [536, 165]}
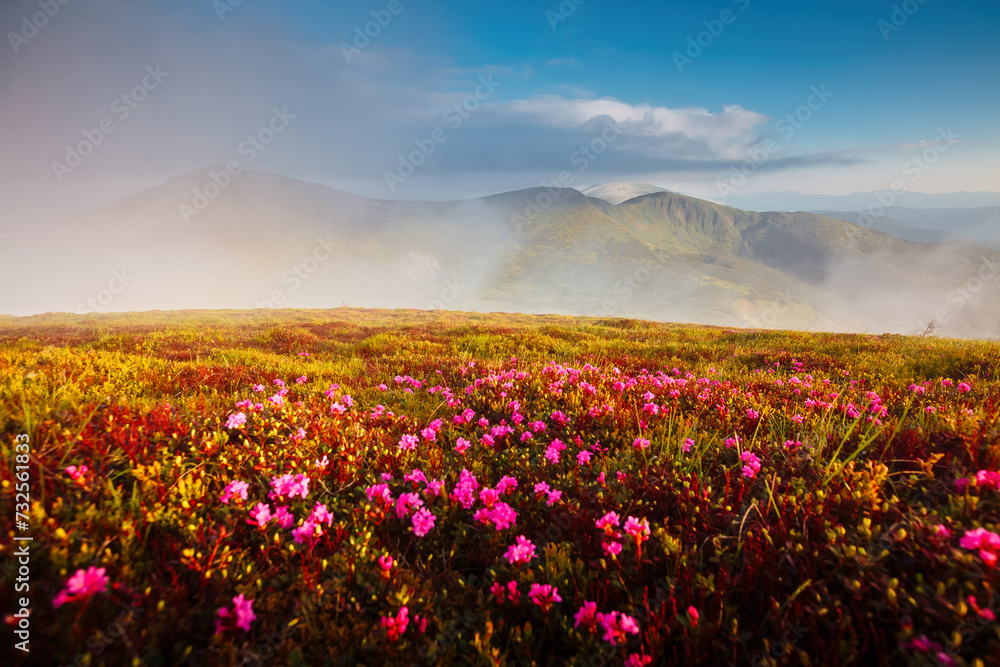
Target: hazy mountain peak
{"type": "Point", "coordinates": [616, 193]}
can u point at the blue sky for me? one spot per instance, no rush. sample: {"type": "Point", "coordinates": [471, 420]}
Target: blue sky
{"type": "Point", "coordinates": [555, 83]}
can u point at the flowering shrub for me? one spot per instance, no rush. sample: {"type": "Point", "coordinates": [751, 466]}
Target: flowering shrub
{"type": "Point", "coordinates": [657, 494]}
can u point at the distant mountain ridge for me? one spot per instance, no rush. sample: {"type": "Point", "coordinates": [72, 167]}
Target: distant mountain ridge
{"type": "Point", "coordinates": [269, 241]}
{"type": "Point", "coordinates": [790, 200]}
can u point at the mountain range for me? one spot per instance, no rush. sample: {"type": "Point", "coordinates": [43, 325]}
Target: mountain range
{"type": "Point", "coordinates": [259, 240]}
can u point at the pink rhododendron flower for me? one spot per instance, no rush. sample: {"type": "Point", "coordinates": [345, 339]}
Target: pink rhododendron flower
{"type": "Point", "coordinates": [607, 522]}
{"type": "Point", "coordinates": [289, 486]}
{"type": "Point", "coordinates": [423, 522]}
{"type": "Point", "coordinates": [236, 420]}
{"type": "Point", "coordinates": [242, 611]}
{"type": "Point", "coordinates": [617, 626]}
{"type": "Point", "coordinates": [462, 445]}
{"type": "Point", "coordinates": [988, 544]}
{"type": "Point", "coordinates": [964, 386]}
{"type": "Point", "coordinates": [521, 552]}
{"type": "Point", "coordinates": [284, 517]}
{"type": "Point", "coordinates": [638, 660]}
{"type": "Point", "coordinates": [752, 466]}
{"type": "Point", "coordinates": [302, 379]}
{"type": "Point", "coordinates": [82, 584]}
{"type": "Point", "coordinates": [78, 475]}
{"type": "Point", "coordinates": [407, 503]}
{"type": "Point", "coordinates": [260, 515]}
{"type": "Point", "coordinates": [234, 490]}
{"type": "Point", "coordinates": [544, 595]}
{"type": "Point", "coordinates": [612, 548]}
{"type": "Point", "coordinates": [408, 442]}
{"type": "Point", "coordinates": [688, 444]}
{"type": "Point", "coordinates": [640, 443]}
{"type": "Point", "coordinates": [639, 530]}
{"type": "Point", "coordinates": [309, 530]}
{"type": "Point", "coordinates": [506, 484]}
{"type": "Point", "coordinates": [583, 458]}
{"type": "Point", "coordinates": [586, 615]}
{"type": "Point", "coordinates": [396, 626]}
{"type": "Point", "coordinates": [512, 593]}
{"type": "Point", "coordinates": [693, 615]}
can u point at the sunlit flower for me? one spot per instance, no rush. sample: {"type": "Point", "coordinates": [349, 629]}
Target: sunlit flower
{"type": "Point", "coordinates": [409, 442]}
{"type": "Point", "coordinates": [236, 420]}
{"type": "Point", "coordinates": [639, 530]}
{"type": "Point", "coordinates": [234, 490]}
{"type": "Point", "coordinates": [260, 515]}
{"type": "Point", "coordinates": [640, 443]}
{"type": "Point", "coordinates": [462, 445]}
{"type": "Point", "coordinates": [583, 458]}
{"type": "Point", "coordinates": [284, 517]}
{"type": "Point", "coordinates": [688, 444]}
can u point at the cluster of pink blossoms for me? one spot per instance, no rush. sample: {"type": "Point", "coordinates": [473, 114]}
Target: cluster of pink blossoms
{"type": "Point", "coordinates": [311, 528]}
{"type": "Point", "coordinates": [752, 464]}
{"type": "Point", "coordinates": [396, 625]}
{"type": "Point", "coordinates": [234, 490]}
{"type": "Point", "coordinates": [988, 544]}
{"type": "Point", "coordinates": [78, 475]}
{"type": "Point", "coordinates": [289, 486]}
{"type": "Point", "coordinates": [510, 592]}
{"type": "Point", "coordinates": [616, 625]}
{"type": "Point", "coordinates": [521, 552]}
{"type": "Point", "coordinates": [986, 478]}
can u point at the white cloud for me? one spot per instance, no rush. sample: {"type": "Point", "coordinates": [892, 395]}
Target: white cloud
{"type": "Point", "coordinates": [691, 132]}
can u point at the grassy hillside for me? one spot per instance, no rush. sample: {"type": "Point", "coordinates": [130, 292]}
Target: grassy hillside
{"type": "Point", "coordinates": [363, 487]}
